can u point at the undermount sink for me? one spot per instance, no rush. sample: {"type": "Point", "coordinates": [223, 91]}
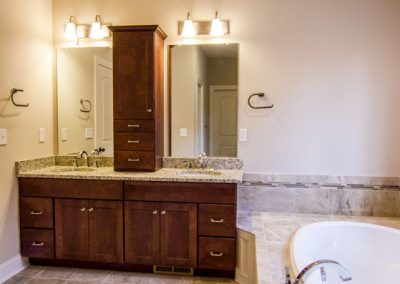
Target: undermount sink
{"type": "Point", "coordinates": [200, 172]}
{"type": "Point", "coordinates": [73, 169]}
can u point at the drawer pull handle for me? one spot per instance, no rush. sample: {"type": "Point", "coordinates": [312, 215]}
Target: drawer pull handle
{"type": "Point", "coordinates": [133, 141]}
{"type": "Point", "coordinates": [216, 254]}
{"type": "Point", "coordinates": [149, 110]}
{"type": "Point", "coordinates": [163, 212]}
{"type": "Point", "coordinates": [133, 160]}
{"type": "Point", "coordinates": [38, 244]}
{"type": "Point", "coordinates": [36, 213]}
{"type": "Point", "coordinates": [91, 209]}
{"type": "Point", "coordinates": [216, 220]}
{"type": "Point", "coordinates": [134, 125]}
{"type": "Point", "coordinates": [155, 212]}
{"type": "Point", "coordinates": [83, 209]}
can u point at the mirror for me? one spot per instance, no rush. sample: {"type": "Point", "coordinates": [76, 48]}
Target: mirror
{"type": "Point", "coordinates": [203, 81]}
{"type": "Point", "coordinates": [84, 92]}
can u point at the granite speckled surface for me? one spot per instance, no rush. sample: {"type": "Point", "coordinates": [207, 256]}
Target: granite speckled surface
{"type": "Point", "coordinates": [108, 173]}
{"type": "Point", "coordinates": [273, 232]}
{"type": "Point", "coordinates": [210, 162]}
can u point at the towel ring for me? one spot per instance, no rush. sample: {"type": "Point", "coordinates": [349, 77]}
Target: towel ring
{"type": "Point", "coordinates": [260, 95]}
{"type": "Point", "coordinates": [13, 91]}
{"type": "Point", "coordinates": [84, 108]}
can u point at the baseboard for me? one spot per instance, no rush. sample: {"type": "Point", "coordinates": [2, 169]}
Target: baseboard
{"type": "Point", "coordinates": [12, 267]}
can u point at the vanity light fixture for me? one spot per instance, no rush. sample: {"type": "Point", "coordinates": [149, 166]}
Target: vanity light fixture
{"type": "Point", "coordinates": [188, 27]}
{"type": "Point", "coordinates": [96, 29]}
{"type": "Point", "coordinates": [70, 29]}
{"type": "Point", "coordinates": [216, 26]}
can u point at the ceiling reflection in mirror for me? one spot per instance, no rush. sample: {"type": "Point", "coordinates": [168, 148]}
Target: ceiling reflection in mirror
{"type": "Point", "coordinates": [204, 99]}
{"type": "Point", "coordinates": [84, 95]}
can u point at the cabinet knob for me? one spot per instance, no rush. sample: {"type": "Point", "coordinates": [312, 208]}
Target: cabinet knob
{"type": "Point", "coordinates": [216, 254]}
{"type": "Point", "coordinates": [91, 209]}
{"type": "Point", "coordinates": [133, 141]}
{"type": "Point", "coordinates": [149, 110]}
{"type": "Point", "coordinates": [134, 160]}
{"type": "Point", "coordinates": [36, 213]}
{"type": "Point", "coordinates": [163, 212]}
{"type": "Point", "coordinates": [134, 125]}
{"type": "Point", "coordinates": [38, 244]}
{"type": "Point", "coordinates": [155, 212]}
{"type": "Point", "coordinates": [83, 209]}
{"type": "Point", "coordinates": [212, 220]}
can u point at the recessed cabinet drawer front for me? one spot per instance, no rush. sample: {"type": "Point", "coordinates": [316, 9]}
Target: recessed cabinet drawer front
{"type": "Point", "coordinates": [217, 253]}
{"type": "Point", "coordinates": [217, 220]}
{"type": "Point", "coordinates": [36, 212]}
{"type": "Point", "coordinates": [137, 160]}
{"type": "Point", "coordinates": [37, 243]}
{"type": "Point", "coordinates": [134, 125]}
{"type": "Point", "coordinates": [125, 141]}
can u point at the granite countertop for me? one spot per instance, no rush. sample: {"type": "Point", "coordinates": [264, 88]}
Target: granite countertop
{"type": "Point", "coordinates": [273, 232]}
{"type": "Point", "coordinates": [108, 173]}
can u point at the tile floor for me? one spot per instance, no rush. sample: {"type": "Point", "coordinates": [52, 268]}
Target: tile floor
{"type": "Point", "coordinates": [57, 275]}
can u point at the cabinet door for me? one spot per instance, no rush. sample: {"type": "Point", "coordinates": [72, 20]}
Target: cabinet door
{"type": "Point", "coordinates": [179, 234]}
{"type": "Point", "coordinates": [133, 61]}
{"type": "Point", "coordinates": [106, 231]}
{"type": "Point", "coordinates": [142, 233]}
{"type": "Point", "coordinates": [72, 229]}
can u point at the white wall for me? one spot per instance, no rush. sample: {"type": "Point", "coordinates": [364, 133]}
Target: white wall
{"type": "Point", "coordinates": [330, 67]}
{"type": "Point", "coordinates": [25, 62]}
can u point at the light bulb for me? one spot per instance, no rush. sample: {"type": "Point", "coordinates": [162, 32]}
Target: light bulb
{"type": "Point", "coordinates": [216, 26]}
{"type": "Point", "coordinates": [70, 29]}
{"type": "Point", "coordinates": [96, 31]}
{"type": "Point", "coordinates": [188, 28]}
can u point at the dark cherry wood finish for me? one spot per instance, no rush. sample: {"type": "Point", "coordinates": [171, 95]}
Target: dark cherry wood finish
{"type": "Point", "coordinates": [106, 231]}
{"type": "Point", "coordinates": [71, 188]}
{"type": "Point", "coordinates": [72, 229]}
{"type": "Point", "coordinates": [134, 141]}
{"type": "Point", "coordinates": [37, 243]}
{"type": "Point", "coordinates": [142, 232]}
{"type": "Point", "coordinates": [217, 253]}
{"type": "Point", "coordinates": [140, 160]}
{"type": "Point", "coordinates": [181, 192]}
{"type": "Point", "coordinates": [179, 234]}
{"type": "Point", "coordinates": [138, 92]}
{"type": "Point", "coordinates": [217, 220]}
{"type": "Point", "coordinates": [36, 212]}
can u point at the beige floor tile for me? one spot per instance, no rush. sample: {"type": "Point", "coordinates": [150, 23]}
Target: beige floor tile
{"type": "Point", "coordinates": [46, 281]}
{"type": "Point", "coordinates": [31, 271]}
{"type": "Point", "coordinates": [57, 273]}
{"type": "Point", "coordinates": [124, 277]}
{"type": "Point", "coordinates": [18, 280]}
{"type": "Point", "coordinates": [90, 275]}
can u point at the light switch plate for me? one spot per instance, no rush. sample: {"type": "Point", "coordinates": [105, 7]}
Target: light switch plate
{"type": "Point", "coordinates": [3, 136]}
{"type": "Point", "coordinates": [243, 134]}
{"type": "Point", "coordinates": [64, 134]}
{"type": "Point", "coordinates": [183, 132]}
{"type": "Point", "coordinates": [88, 133]}
{"type": "Point", "coordinates": [42, 135]}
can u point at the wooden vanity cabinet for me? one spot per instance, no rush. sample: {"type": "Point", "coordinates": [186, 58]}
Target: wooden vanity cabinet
{"type": "Point", "coordinates": [138, 73]}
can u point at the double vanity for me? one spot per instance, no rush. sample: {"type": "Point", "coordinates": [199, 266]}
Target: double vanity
{"type": "Point", "coordinates": [176, 220]}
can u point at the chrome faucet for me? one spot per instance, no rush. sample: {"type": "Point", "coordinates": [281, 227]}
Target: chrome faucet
{"type": "Point", "coordinates": [342, 271]}
{"type": "Point", "coordinates": [201, 160]}
{"type": "Point", "coordinates": [94, 153]}
{"type": "Point", "coordinates": [84, 155]}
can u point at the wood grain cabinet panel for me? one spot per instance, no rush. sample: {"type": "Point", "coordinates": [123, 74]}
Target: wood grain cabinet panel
{"type": "Point", "coordinates": [179, 234]}
{"type": "Point", "coordinates": [36, 212]}
{"type": "Point", "coordinates": [142, 232]}
{"type": "Point", "coordinates": [37, 243]}
{"type": "Point", "coordinates": [217, 253]}
{"type": "Point", "coordinates": [217, 220]}
{"type": "Point", "coordinates": [127, 141]}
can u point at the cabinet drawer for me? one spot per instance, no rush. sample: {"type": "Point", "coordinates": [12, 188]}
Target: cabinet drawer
{"type": "Point", "coordinates": [37, 243]}
{"type": "Point", "coordinates": [134, 125]}
{"type": "Point", "coordinates": [217, 253]}
{"type": "Point", "coordinates": [133, 160]}
{"type": "Point", "coordinates": [217, 220]}
{"type": "Point", "coordinates": [125, 141]}
{"type": "Point", "coordinates": [36, 212]}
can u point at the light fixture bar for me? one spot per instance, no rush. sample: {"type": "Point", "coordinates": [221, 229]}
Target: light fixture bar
{"type": "Point", "coordinates": [204, 27]}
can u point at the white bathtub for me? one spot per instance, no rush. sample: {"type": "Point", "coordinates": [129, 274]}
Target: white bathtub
{"type": "Point", "coordinates": [371, 253]}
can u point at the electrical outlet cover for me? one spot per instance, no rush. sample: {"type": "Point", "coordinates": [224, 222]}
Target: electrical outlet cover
{"type": "Point", "coordinates": [3, 136]}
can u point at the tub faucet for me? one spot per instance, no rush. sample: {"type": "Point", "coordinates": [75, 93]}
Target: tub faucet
{"type": "Point", "coordinates": [84, 155]}
{"type": "Point", "coordinates": [342, 271]}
